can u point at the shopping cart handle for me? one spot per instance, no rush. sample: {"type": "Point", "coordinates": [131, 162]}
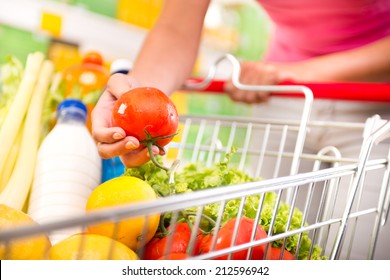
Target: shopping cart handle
{"type": "Point", "coordinates": [352, 91]}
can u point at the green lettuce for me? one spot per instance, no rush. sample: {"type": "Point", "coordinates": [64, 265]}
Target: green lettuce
{"type": "Point", "coordinates": [197, 176]}
{"type": "Point", "coordinates": [11, 74]}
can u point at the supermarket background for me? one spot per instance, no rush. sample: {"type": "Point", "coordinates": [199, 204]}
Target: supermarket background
{"type": "Point", "coordinates": [65, 30]}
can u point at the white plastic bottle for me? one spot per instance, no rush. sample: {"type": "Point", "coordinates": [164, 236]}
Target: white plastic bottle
{"type": "Point", "coordinates": [68, 168]}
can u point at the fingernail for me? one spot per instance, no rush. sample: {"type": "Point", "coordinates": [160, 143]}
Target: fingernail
{"type": "Point", "coordinates": [117, 136]}
{"type": "Point", "coordinates": [130, 145]}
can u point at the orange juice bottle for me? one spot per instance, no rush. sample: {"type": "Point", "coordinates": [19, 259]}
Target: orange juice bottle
{"type": "Point", "coordinates": [86, 81]}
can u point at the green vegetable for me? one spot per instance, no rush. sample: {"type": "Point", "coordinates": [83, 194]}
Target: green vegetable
{"type": "Point", "coordinates": [17, 109]}
{"type": "Point", "coordinates": [10, 77]}
{"type": "Point", "coordinates": [20, 130]}
{"type": "Point", "coordinates": [193, 177]}
{"type": "Point", "coordinates": [197, 176]}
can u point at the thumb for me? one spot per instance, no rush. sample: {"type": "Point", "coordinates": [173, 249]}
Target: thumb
{"type": "Point", "coordinates": [120, 83]}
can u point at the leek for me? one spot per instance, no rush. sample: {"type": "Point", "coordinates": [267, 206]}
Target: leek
{"type": "Point", "coordinates": [16, 191]}
{"type": "Point", "coordinates": [18, 109]}
{"type": "Point", "coordinates": [11, 160]}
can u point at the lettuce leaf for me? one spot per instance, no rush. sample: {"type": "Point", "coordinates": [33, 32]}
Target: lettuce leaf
{"type": "Point", "coordinates": [197, 176]}
{"type": "Point", "coordinates": [11, 74]}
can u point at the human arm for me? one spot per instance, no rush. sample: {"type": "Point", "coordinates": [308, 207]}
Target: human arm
{"type": "Point", "coordinates": [169, 52]}
{"type": "Point", "coordinates": [368, 63]}
{"type": "Point", "coordinates": [165, 61]}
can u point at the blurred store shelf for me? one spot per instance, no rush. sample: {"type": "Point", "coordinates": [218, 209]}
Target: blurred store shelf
{"type": "Point", "coordinates": [88, 30]}
{"type": "Point", "coordinates": [116, 37]}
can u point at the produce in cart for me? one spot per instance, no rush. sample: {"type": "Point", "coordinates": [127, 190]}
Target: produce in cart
{"type": "Point", "coordinates": [198, 176]}
{"type": "Point", "coordinates": [172, 241]}
{"type": "Point", "coordinates": [22, 96]}
{"type": "Point", "coordinates": [94, 247]}
{"type": "Point", "coordinates": [114, 193]}
{"type": "Point", "coordinates": [25, 248]}
{"type": "Point", "coordinates": [224, 239]}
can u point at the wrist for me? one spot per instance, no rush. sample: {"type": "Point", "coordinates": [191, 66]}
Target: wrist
{"type": "Point", "coordinates": [298, 71]}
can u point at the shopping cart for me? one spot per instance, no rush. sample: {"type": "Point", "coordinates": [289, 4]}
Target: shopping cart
{"type": "Point", "coordinates": [322, 194]}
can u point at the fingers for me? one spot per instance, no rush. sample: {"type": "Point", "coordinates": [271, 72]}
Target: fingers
{"type": "Point", "coordinates": [113, 149]}
{"type": "Point", "coordinates": [137, 157]}
{"type": "Point", "coordinates": [112, 141]}
{"type": "Point", "coordinates": [102, 130]}
{"type": "Point", "coordinates": [102, 127]}
{"type": "Point", "coordinates": [120, 83]}
{"type": "Point", "coordinates": [253, 73]}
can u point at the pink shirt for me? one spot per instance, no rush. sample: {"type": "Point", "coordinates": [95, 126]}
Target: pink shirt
{"type": "Point", "coordinates": [307, 28]}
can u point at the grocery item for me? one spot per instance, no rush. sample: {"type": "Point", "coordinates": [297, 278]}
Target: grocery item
{"type": "Point", "coordinates": [91, 247]}
{"type": "Point", "coordinates": [149, 115]}
{"type": "Point", "coordinates": [86, 81]}
{"type": "Point", "coordinates": [32, 247]}
{"type": "Point", "coordinates": [113, 167]}
{"type": "Point", "coordinates": [120, 191]}
{"type": "Point", "coordinates": [121, 65]}
{"type": "Point", "coordinates": [198, 176]}
{"type": "Point", "coordinates": [68, 168]}
{"type": "Point", "coordinates": [20, 121]}
{"type": "Point", "coordinates": [175, 240]}
{"type": "Point", "coordinates": [226, 237]}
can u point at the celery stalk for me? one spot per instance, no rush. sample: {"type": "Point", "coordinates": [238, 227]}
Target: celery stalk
{"type": "Point", "coordinates": [18, 109]}
{"type": "Point", "coordinates": [11, 160]}
{"type": "Point", "coordinates": [16, 191]}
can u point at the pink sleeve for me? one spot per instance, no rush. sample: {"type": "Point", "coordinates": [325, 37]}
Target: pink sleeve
{"type": "Point", "coordinates": [307, 28]}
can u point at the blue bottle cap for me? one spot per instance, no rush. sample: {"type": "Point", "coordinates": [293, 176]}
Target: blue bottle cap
{"type": "Point", "coordinates": [72, 103]}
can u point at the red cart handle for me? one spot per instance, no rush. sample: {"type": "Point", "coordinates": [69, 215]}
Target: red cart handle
{"type": "Point", "coordinates": [352, 91]}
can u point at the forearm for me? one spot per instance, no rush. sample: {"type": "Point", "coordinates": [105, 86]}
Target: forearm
{"type": "Point", "coordinates": [369, 63]}
{"type": "Point", "coordinates": [170, 49]}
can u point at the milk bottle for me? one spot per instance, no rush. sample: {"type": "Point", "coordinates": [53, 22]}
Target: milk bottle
{"type": "Point", "coordinates": [68, 169]}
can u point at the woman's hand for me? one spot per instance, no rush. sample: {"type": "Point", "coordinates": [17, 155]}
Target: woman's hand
{"type": "Point", "coordinates": [112, 141]}
{"type": "Point", "coordinates": [258, 73]}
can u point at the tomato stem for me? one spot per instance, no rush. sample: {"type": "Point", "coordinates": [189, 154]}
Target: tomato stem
{"type": "Point", "coordinates": [163, 229]}
{"type": "Point", "coordinates": [203, 216]}
{"type": "Point", "coordinates": [149, 145]}
{"type": "Point", "coordinates": [152, 141]}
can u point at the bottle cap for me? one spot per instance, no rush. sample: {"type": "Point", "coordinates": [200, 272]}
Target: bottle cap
{"type": "Point", "coordinates": [121, 65]}
{"type": "Point", "coordinates": [76, 103]}
{"type": "Point", "coordinates": [93, 57]}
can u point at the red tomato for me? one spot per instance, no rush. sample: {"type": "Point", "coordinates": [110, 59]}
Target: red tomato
{"type": "Point", "coordinates": [146, 111]}
{"type": "Point", "coordinates": [225, 235]}
{"type": "Point", "coordinates": [156, 248]}
{"type": "Point", "coordinates": [274, 253]}
{"type": "Point", "coordinates": [204, 244]}
{"type": "Point", "coordinates": [174, 256]}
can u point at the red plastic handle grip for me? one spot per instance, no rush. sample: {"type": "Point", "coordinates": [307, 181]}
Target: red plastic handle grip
{"type": "Point", "coordinates": [352, 91]}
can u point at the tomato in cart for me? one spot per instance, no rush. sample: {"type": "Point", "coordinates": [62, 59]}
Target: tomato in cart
{"type": "Point", "coordinates": [225, 240]}
{"type": "Point", "coordinates": [175, 256]}
{"type": "Point", "coordinates": [178, 242]}
{"type": "Point", "coordinates": [277, 253]}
